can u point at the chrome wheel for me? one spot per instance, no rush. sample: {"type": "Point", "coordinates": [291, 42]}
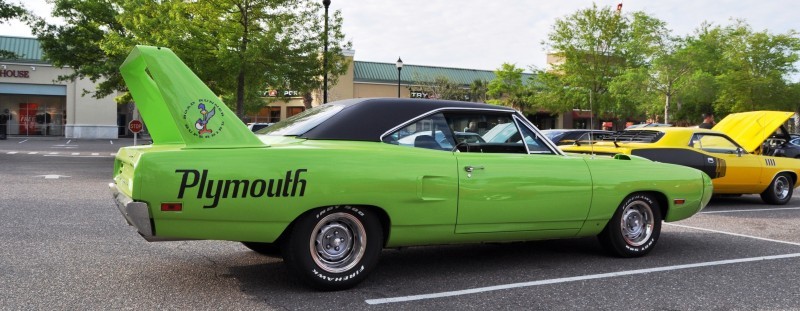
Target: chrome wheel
{"type": "Point", "coordinates": [338, 242]}
{"type": "Point", "coordinates": [781, 187]}
{"type": "Point", "coordinates": [637, 223]}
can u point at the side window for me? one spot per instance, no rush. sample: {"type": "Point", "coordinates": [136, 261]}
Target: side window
{"type": "Point", "coordinates": [429, 133]}
{"type": "Point", "coordinates": [489, 132]}
{"type": "Point", "coordinates": [713, 143]}
{"type": "Point", "coordinates": [535, 143]}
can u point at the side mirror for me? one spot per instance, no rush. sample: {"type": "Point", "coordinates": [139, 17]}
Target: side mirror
{"type": "Point", "coordinates": [739, 151]}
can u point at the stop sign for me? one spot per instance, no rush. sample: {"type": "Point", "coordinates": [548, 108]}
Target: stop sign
{"type": "Point", "coordinates": [135, 126]}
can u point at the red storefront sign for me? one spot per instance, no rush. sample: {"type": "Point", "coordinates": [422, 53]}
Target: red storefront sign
{"type": "Point", "coordinates": [27, 118]}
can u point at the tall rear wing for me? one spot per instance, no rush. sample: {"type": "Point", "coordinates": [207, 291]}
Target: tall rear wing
{"type": "Point", "coordinates": [177, 106]}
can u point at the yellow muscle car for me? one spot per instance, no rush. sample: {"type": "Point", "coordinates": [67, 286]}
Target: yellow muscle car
{"type": "Point", "coordinates": [738, 153]}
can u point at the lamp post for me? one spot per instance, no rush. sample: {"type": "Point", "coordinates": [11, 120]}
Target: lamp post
{"type": "Point", "coordinates": [399, 68]}
{"type": "Point", "coordinates": [326, 3]}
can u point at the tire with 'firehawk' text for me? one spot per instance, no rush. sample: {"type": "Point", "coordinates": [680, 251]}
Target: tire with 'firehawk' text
{"type": "Point", "coordinates": [335, 247]}
{"type": "Point", "coordinates": [635, 227]}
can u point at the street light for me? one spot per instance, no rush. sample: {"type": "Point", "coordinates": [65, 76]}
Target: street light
{"type": "Point", "coordinates": [399, 68]}
{"type": "Point", "coordinates": [326, 3]}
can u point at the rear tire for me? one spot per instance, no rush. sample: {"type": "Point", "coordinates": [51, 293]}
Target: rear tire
{"type": "Point", "coordinates": [635, 227]}
{"type": "Point", "coordinates": [780, 190]}
{"type": "Point", "coordinates": [334, 248]}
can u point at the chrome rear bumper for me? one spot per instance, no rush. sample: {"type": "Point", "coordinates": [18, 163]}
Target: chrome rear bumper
{"type": "Point", "coordinates": [136, 213]}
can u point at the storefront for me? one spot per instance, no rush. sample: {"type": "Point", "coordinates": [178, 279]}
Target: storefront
{"type": "Point", "coordinates": [32, 104]}
{"type": "Point", "coordinates": [30, 109]}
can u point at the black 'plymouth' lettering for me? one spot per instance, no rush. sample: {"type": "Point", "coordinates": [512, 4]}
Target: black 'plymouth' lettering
{"type": "Point", "coordinates": [235, 188]}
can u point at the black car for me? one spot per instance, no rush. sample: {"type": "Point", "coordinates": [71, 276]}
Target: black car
{"type": "Point", "coordinates": [782, 144]}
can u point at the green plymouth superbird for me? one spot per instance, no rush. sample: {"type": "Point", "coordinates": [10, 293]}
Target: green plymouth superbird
{"type": "Point", "coordinates": [331, 187]}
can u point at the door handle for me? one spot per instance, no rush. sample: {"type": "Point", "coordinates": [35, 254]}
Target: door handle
{"type": "Point", "coordinates": [470, 168]}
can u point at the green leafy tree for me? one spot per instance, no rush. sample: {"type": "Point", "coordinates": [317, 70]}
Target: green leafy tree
{"type": "Point", "coordinates": [238, 47]}
{"type": "Point", "coordinates": [660, 75]}
{"type": "Point", "coordinates": [507, 88]}
{"type": "Point", "coordinates": [440, 87]}
{"type": "Point", "coordinates": [760, 64]}
{"type": "Point", "coordinates": [478, 90]}
{"type": "Point", "coordinates": [8, 12]}
{"type": "Point", "coordinates": [590, 45]}
{"type": "Point", "coordinates": [595, 47]}
{"type": "Point", "coordinates": [735, 69]}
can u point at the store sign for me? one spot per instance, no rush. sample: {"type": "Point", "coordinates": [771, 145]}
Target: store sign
{"type": "Point", "coordinates": [15, 74]}
{"type": "Point", "coordinates": [419, 94]}
{"type": "Point", "coordinates": [274, 93]}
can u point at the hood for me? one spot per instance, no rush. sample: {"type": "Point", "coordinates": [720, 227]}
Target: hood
{"type": "Point", "coordinates": [750, 129]}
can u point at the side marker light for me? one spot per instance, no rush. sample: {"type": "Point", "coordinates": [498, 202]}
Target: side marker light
{"type": "Point", "coordinates": [171, 207]}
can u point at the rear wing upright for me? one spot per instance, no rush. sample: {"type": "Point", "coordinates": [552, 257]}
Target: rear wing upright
{"type": "Point", "coordinates": [177, 106]}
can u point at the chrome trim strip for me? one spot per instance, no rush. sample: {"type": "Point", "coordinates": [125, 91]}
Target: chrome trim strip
{"type": "Point", "coordinates": [536, 131]}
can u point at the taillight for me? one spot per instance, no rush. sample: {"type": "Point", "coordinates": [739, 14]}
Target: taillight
{"type": "Point", "coordinates": [171, 207]}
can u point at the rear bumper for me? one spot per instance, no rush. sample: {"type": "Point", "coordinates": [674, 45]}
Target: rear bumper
{"type": "Point", "coordinates": [136, 213]}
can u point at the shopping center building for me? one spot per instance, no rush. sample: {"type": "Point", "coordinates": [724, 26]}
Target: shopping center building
{"type": "Point", "coordinates": [34, 103]}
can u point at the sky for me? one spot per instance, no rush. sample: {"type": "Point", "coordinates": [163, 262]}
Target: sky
{"type": "Point", "coordinates": [480, 34]}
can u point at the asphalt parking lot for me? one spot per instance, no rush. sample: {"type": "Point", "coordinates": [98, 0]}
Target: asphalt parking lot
{"type": "Point", "coordinates": [63, 245]}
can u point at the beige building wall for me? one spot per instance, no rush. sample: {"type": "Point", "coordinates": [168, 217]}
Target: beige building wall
{"type": "Point", "coordinates": [344, 87]}
{"type": "Point", "coordinates": [362, 90]}
{"type": "Point", "coordinates": [89, 117]}
{"type": "Point", "coordinates": [86, 117]}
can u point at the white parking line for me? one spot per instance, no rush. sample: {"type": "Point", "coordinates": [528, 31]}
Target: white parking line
{"type": "Point", "coordinates": [734, 234]}
{"type": "Point", "coordinates": [76, 153]}
{"type": "Point", "coordinates": [574, 279]}
{"type": "Point", "coordinates": [35, 152]}
{"type": "Point", "coordinates": [95, 154]}
{"type": "Point", "coordinates": [12, 152]}
{"type": "Point", "coordinates": [753, 210]}
{"type": "Point", "coordinates": [22, 141]}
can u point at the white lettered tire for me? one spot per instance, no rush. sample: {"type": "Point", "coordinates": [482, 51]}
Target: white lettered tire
{"type": "Point", "coordinates": [780, 190]}
{"type": "Point", "coordinates": [334, 248]}
{"type": "Point", "coordinates": [635, 227]}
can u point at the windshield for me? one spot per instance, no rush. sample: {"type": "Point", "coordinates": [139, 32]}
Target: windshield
{"type": "Point", "coordinates": [302, 122]}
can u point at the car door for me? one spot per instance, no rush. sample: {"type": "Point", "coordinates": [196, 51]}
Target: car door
{"type": "Point", "coordinates": [738, 171]}
{"type": "Point", "coordinates": [514, 181]}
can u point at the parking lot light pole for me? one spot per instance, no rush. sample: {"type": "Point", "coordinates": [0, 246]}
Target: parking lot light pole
{"type": "Point", "coordinates": [399, 68]}
{"type": "Point", "coordinates": [326, 3]}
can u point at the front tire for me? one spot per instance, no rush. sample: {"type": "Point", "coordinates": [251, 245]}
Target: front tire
{"type": "Point", "coordinates": [635, 227]}
{"type": "Point", "coordinates": [779, 191]}
{"type": "Point", "coordinates": [334, 248]}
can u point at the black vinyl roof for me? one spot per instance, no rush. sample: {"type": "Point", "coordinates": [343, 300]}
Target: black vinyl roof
{"type": "Point", "coordinates": [366, 119]}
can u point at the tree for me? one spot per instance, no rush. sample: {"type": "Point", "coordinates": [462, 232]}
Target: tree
{"type": "Point", "coordinates": [736, 69]}
{"type": "Point", "coordinates": [8, 12]}
{"type": "Point", "coordinates": [440, 87]}
{"type": "Point", "coordinates": [595, 46]}
{"type": "Point", "coordinates": [477, 90]}
{"type": "Point", "coordinates": [589, 43]}
{"type": "Point", "coordinates": [238, 47]}
{"type": "Point", "coordinates": [507, 88]}
{"type": "Point", "coordinates": [760, 63]}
